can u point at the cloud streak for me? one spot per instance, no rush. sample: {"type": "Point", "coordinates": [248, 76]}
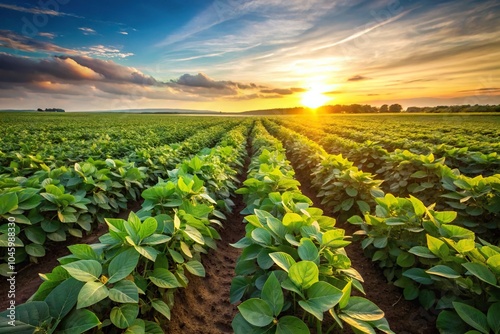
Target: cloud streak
{"type": "Point", "coordinates": [15, 41]}
{"type": "Point", "coordinates": [363, 32]}
{"type": "Point", "coordinates": [36, 10]}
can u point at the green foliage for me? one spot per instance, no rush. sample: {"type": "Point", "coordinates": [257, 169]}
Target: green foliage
{"type": "Point", "coordinates": [131, 275]}
{"type": "Point", "coordinates": [293, 257]}
{"type": "Point", "coordinates": [441, 264]}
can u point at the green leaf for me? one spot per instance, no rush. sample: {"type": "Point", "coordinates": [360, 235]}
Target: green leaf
{"type": "Point", "coordinates": [35, 250]}
{"type": "Point", "coordinates": [481, 271]}
{"type": "Point", "coordinates": [8, 202]}
{"type": "Point", "coordinates": [363, 206]}
{"type": "Point", "coordinates": [457, 232]}
{"type": "Point", "coordinates": [124, 315]}
{"type": "Point", "coordinates": [465, 245]}
{"type": "Point", "coordinates": [78, 321]}
{"type": "Point", "coordinates": [148, 227]}
{"type": "Point", "coordinates": [443, 271]}
{"type": "Point", "coordinates": [292, 221]}
{"type": "Point", "coordinates": [195, 268]}
{"type": "Point", "coordinates": [307, 250]}
{"type": "Point", "coordinates": [405, 260]}
{"type": "Point", "coordinates": [272, 294]}
{"type": "Point", "coordinates": [351, 191]}
{"type": "Point", "coordinates": [84, 270]}
{"type": "Point", "coordinates": [239, 285]}
{"type": "Point", "coordinates": [418, 206]}
{"type": "Point", "coordinates": [493, 318]}
{"type": "Point", "coordinates": [83, 252]}
{"type": "Point", "coordinates": [362, 309]}
{"type": "Point", "coordinates": [163, 278]}
{"type": "Point", "coordinates": [147, 251]}
{"type": "Point", "coordinates": [161, 307]}
{"type": "Point", "coordinates": [178, 258]}
{"type": "Point", "coordinates": [91, 293]}
{"type": "Point", "coordinates": [291, 325]}
{"type": "Point", "coordinates": [283, 260]}
{"type": "Point", "coordinates": [63, 297]}
{"type": "Point", "coordinates": [437, 247]}
{"type": "Point", "coordinates": [152, 328]}
{"type": "Point", "coordinates": [419, 174]}
{"type": "Point", "coordinates": [427, 298]}
{"type": "Point", "coordinates": [122, 265]}
{"type": "Point", "coordinates": [450, 323]}
{"type": "Point", "coordinates": [494, 263]}
{"type": "Point", "coordinates": [418, 275]}
{"type": "Point", "coordinates": [304, 274]}
{"type": "Point", "coordinates": [241, 326]}
{"type": "Point", "coordinates": [422, 251]}
{"type": "Point", "coordinates": [28, 317]}
{"type": "Point", "coordinates": [124, 292]}
{"type": "Point", "coordinates": [262, 236]}
{"type": "Point", "coordinates": [256, 311]}
{"type": "Point", "coordinates": [321, 297]}
{"type": "Point", "coordinates": [445, 217]}
{"type": "Point", "coordinates": [137, 327]}
{"type": "Point", "coordinates": [357, 325]}
{"type": "Point", "coordinates": [194, 234]}
{"type": "Point", "coordinates": [472, 316]}
{"type": "Point", "coordinates": [35, 234]}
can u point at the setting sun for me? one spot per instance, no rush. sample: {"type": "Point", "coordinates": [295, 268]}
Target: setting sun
{"type": "Point", "coordinates": [314, 99]}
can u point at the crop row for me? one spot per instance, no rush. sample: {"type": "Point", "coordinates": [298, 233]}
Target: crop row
{"type": "Point", "coordinates": [442, 264]}
{"type": "Point", "coordinates": [126, 282]}
{"type": "Point", "coordinates": [473, 131]}
{"type": "Point", "coordinates": [54, 203]}
{"type": "Point", "coordinates": [293, 267]}
{"type": "Point", "coordinates": [372, 155]}
{"type": "Point", "coordinates": [342, 185]}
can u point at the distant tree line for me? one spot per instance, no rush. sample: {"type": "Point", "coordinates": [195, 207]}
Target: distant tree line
{"type": "Point", "coordinates": [366, 108]}
{"type": "Point", "coordinates": [51, 110]}
{"type": "Point", "coordinates": [460, 108]}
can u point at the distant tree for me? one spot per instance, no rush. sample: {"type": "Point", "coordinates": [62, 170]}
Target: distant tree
{"type": "Point", "coordinates": [384, 108]}
{"type": "Point", "coordinates": [39, 109]}
{"type": "Point", "coordinates": [413, 109]}
{"type": "Point", "coordinates": [395, 108]}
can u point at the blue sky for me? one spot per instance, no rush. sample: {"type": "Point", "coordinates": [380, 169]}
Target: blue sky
{"type": "Point", "coordinates": [236, 55]}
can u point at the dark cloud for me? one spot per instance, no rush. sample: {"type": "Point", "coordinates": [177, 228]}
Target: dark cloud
{"type": "Point", "coordinates": [12, 40]}
{"type": "Point", "coordinates": [69, 68]}
{"type": "Point", "coordinates": [283, 91]}
{"type": "Point", "coordinates": [278, 91]}
{"type": "Point", "coordinates": [486, 90]}
{"type": "Point", "coordinates": [112, 71]}
{"type": "Point", "coordinates": [201, 80]}
{"type": "Point", "coordinates": [357, 78]}
{"type": "Point", "coordinates": [334, 92]}
{"type": "Point", "coordinates": [73, 75]}
{"type": "Point", "coordinates": [22, 70]}
{"type": "Point", "coordinates": [81, 75]}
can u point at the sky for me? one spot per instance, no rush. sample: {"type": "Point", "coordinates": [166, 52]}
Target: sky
{"type": "Point", "coordinates": [236, 55]}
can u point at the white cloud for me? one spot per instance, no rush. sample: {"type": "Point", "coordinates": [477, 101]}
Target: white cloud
{"type": "Point", "coordinates": [87, 31]}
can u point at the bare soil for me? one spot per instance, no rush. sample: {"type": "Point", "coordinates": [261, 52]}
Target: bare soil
{"type": "Point", "coordinates": [203, 307]}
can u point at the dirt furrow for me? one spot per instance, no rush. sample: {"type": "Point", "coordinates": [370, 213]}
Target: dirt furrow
{"type": "Point", "coordinates": [203, 307]}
